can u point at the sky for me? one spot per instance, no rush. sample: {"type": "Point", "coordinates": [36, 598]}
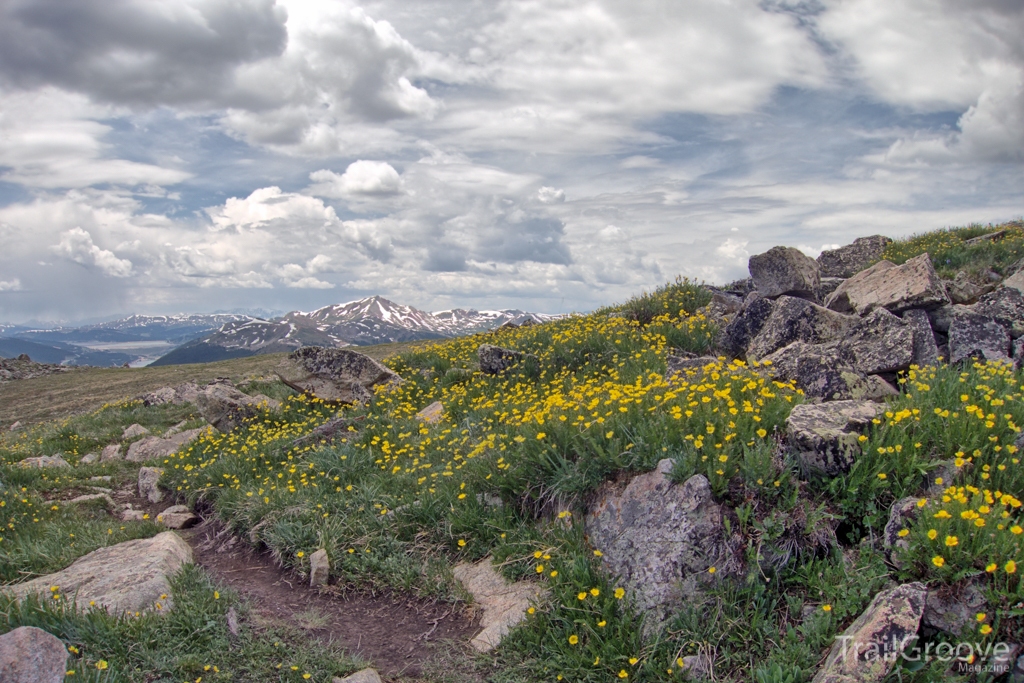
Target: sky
{"type": "Point", "coordinates": [163, 156]}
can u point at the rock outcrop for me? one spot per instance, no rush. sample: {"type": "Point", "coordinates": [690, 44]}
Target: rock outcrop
{"type": "Point", "coordinates": [334, 374]}
{"type": "Point", "coordinates": [822, 372]}
{"type": "Point", "coordinates": [847, 261]}
{"type": "Point", "coordinates": [886, 285]}
{"type": "Point", "coordinates": [785, 270]}
{"type": "Point", "coordinates": [825, 436]}
{"type": "Point", "coordinates": [880, 343]}
{"type": "Point", "coordinates": [794, 319]}
{"type": "Point", "coordinates": [32, 655]}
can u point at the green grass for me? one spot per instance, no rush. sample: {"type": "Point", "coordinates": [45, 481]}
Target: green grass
{"type": "Point", "coordinates": [950, 254]}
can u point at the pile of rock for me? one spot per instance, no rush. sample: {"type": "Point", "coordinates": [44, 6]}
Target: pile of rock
{"type": "Point", "coordinates": [24, 367]}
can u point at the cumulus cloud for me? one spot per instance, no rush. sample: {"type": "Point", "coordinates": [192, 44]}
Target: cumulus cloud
{"type": "Point", "coordinates": [77, 245]}
{"type": "Point", "coordinates": [269, 205]}
{"type": "Point", "coordinates": [10, 285]}
{"type": "Point", "coordinates": [360, 178]}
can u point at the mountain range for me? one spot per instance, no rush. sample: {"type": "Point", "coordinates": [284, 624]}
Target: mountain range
{"type": "Point", "coordinates": [196, 338]}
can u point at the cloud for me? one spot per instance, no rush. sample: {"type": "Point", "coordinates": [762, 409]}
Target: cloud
{"type": "Point", "coordinates": [549, 195]}
{"type": "Point", "coordinates": [10, 285]}
{"type": "Point", "coordinates": [267, 206]}
{"type": "Point", "coordinates": [360, 178]}
{"type": "Point", "coordinates": [77, 245]}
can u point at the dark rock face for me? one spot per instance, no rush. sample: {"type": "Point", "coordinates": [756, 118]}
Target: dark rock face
{"type": "Point", "coordinates": [793, 320]}
{"type": "Point", "coordinates": [849, 260]}
{"type": "Point", "coordinates": [886, 285]}
{"type": "Point", "coordinates": [892, 617]}
{"type": "Point", "coordinates": [736, 336]}
{"type": "Point", "coordinates": [225, 407]}
{"type": "Point", "coordinates": [1004, 305]}
{"type": "Point", "coordinates": [32, 655]}
{"type": "Point", "coordinates": [926, 351]}
{"type": "Point", "coordinates": [785, 270]}
{"type": "Point", "coordinates": [824, 372]}
{"type": "Point", "coordinates": [976, 336]}
{"type": "Point", "coordinates": [825, 435]}
{"type": "Point", "coordinates": [660, 539]}
{"type": "Point", "coordinates": [334, 374]}
{"type": "Point", "coordinates": [495, 360]}
{"type": "Point", "coordinates": [881, 343]}
{"type": "Point", "coordinates": [953, 612]}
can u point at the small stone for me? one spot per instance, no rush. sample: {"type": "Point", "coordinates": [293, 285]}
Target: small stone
{"type": "Point", "coordinates": [102, 477]}
{"type": "Point", "coordinates": [133, 431]}
{"type": "Point", "coordinates": [148, 479]}
{"type": "Point", "coordinates": [902, 513]}
{"type": "Point", "coordinates": [15, 427]}
{"type": "Point", "coordinates": [319, 568]}
{"type": "Point", "coordinates": [89, 459]}
{"type": "Point", "coordinates": [32, 655]}
{"type": "Point", "coordinates": [826, 435]}
{"type": "Point", "coordinates": [177, 517]}
{"type": "Point", "coordinates": [133, 516]}
{"type": "Point", "coordinates": [785, 270]}
{"type": "Point", "coordinates": [504, 604]}
{"type": "Point", "coordinates": [111, 452]}
{"type": "Point", "coordinates": [45, 461]}
{"type": "Point", "coordinates": [682, 366]}
{"type": "Point", "coordinates": [432, 414]}
{"type": "Point", "coordinates": [953, 611]}
{"type": "Point", "coordinates": [89, 497]}
{"type": "Point", "coordinates": [361, 676]}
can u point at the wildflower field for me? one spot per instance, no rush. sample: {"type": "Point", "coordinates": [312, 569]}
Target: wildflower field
{"type": "Point", "coordinates": [507, 472]}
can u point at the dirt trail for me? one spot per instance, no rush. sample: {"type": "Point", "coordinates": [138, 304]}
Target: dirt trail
{"type": "Point", "coordinates": [396, 635]}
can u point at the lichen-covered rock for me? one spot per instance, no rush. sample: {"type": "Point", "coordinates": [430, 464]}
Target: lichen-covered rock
{"type": "Point", "coordinates": [111, 452]}
{"type": "Point", "coordinates": [133, 431]}
{"type": "Point", "coordinates": [503, 604]}
{"type": "Point", "coordinates": [825, 435]}
{"type": "Point", "coordinates": [961, 290]}
{"type": "Point", "coordinates": [722, 308]}
{"type": "Point", "coordinates": [736, 336]}
{"type": "Point", "coordinates": [183, 393]}
{"type": "Point", "coordinates": [335, 374]}
{"type": "Point", "coordinates": [902, 514]}
{"type": "Point", "coordinates": [785, 270]}
{"type": "Point", "coordinates": [1006, 306]}
{"type": "Point", "coordinates": [926, 351]}
{"type": "Point", "coordinates": [823, 372]}
{"type": "Point", "coordinates": [149, 477]}
{"type": "Point", "coordinates": [977, 336]}
{"type": "Point", "coordinates": [849, 260]}
{"type": "Point", "coordinates": [829, 285]}
{"type": "Point", "coordinates": [660, 539]}
{"type": "Point", "coordinates": [127, 577]}
{"type": "Point", "coordinates": [880, 343]}
{"type": "Point", "coordinates": [886, 285]}
{"type": "Point", "coordinates": [953, 608]}
{"type": "Point", "coordinates": [43, 461]}
{"type": "Point", "coordinates": [225, 407]}
{"type": "Point", "coordinates": [32, 655]}
{"type": "Point", "coordinates": [794, 319]}
{"type": "Point", "coordinates": [887, 624]}
{"type": "Point", "coordinates": [495, 360]}
{"type": "Point", "coordinates": [152, 447]}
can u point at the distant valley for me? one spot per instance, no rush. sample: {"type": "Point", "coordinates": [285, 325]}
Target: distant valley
{"type": "Point", "coordinates": [170, 340]}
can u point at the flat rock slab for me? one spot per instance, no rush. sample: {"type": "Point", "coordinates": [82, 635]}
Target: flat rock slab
{"type": "Point", "coordinates": [892, 617]}
{"type": "Point", "coordinates": [45, 461]}
{"type": "Point", "coordinates": [886, 285]}
{"type": "Point", "coordinates": [504, 604]}
{"type": "Point", "coordinates": [660, 539]}
{"type": "Point", "coordinates": [152, 447]}
{"type": "Point", "coordinates": [127, 577]}
{"type": "Point", "coordinates": [334, 374]}
{"type": "Point", "coordinates": [825, 435]}
{"type": "Point", "coordinates": [32, 655]}
{"type": "Point", "coordinates": [432, 414]}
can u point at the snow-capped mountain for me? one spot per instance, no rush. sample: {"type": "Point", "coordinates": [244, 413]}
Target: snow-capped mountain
{"type": "Point", "coordinates": [374, 320]}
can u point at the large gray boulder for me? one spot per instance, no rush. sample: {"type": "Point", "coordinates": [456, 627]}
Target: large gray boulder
{"type": "Point", "coordinates": [152, 447]}
{"type": "Point", "coordinates": [825, 436]}
{"type": "Point", "coordinates": [1004, 305]}
{"type": "Point", "coordinates": [926, 351]}
{"type": "Point", "coordinates": [127, 577]}
{"type": "Point", "coordinates": [335, 374]}
{"type": "Point", "coordinates": [794, 319]}
{"type": "Point", "coordinates": [32, 655]}
{"type": "Point", "coordinates": [849, 260]}
{"type": "Point", "coordinates": [495, 360]}
{"type": "Point", "coordinates": [977, 336]}
{"type": "Point", "coordinates": [822, 372]}
{"type": "Point", "coordinates": [660, 539]}
{"type": "Point", "coordinates": [892, 618]}
{"type": "Point", "coordinates": [785, 270]}
{"type": "Point", "coordinates": [880, 343]}
{"type": "Point", "coordinates": [225, 407]}
{"type": "Point", "coordinates": [736, 336]}
{"type": "Point", "coordinates": [886, 285]}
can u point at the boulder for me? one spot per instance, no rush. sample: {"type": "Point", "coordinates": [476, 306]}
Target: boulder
{"type": "Point", "coordinates": [225, 407]}
{"type": "Point", "coordinates": [722, 308]}
{"type": "Point", "coordinates": [880, 343]}
{"type": "Point", "coordinates": [177, 517]}
{"type": "Point", "coordinates": [829, 285]}
{"type": "Point", "coordinates": [152, 447]}
{"type": "Point", "coordinates": [133, 431]}
{"type": "Point", "coordinates": [32, 655]}
{"type": "Point", "coordinates": [183, 393]}
{"type": "Point", "coordinates": [961, 290]}
{"type": "Point", "coordinates": [495, 360]}
{"type": "Point", "coordinates": [127, 577]}
{"type": "Point", "coordinates": [335, 374]}
{"type": "Point", "coordinates": [822, 372]}
{"type": "Point", "coordinates": [328, 431]}
{"type": "Point", "coordinates": [785, 270]}
{"type": "Point", "coordinates": [890, 621]}
{"type": "Point", "coordinates": [44, 461]}
{"type": "Point", "coordinates": [660, 539]}
{"type": "Point", "coordinates": [1018, 353]}
{"type": "Point", "coordinates": [886, 285]}
{"type": "Point", "coordinates": [1006, 306]}
{"type": "Point", "coordinates": [825, 435]}
{"type": "Point", "coordinates": [926, 351]}
{"type": "Point", "coordinates": [503, 604]}
{"type": "Point", "coordinates": [149, 477]}
{"type": "Point", "coordinates": [849, 260]}
{"type": "Point", "coordinates": [977, 336]}
{"type": "Point", "coordinates": [319, 568]}
{"type": "Point", "coordinates": [794, 319]}
{"type": "Point", "coordinates": [432, 414]}
{"type": "Point", "coordinates": [953, 608]}
{"type": "Point", "coordinates": [941, 317]}
{"type": "Point", "coordinates": [736, 336]}
{"type": "Point", "coordinates": [111, 452]}
{"type": "Point", "coordinates": [362, 676]}
{"type": "Point", "coordinates": [1015, 281]}
{"type": "Point", "coordinates": [89, 459]}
